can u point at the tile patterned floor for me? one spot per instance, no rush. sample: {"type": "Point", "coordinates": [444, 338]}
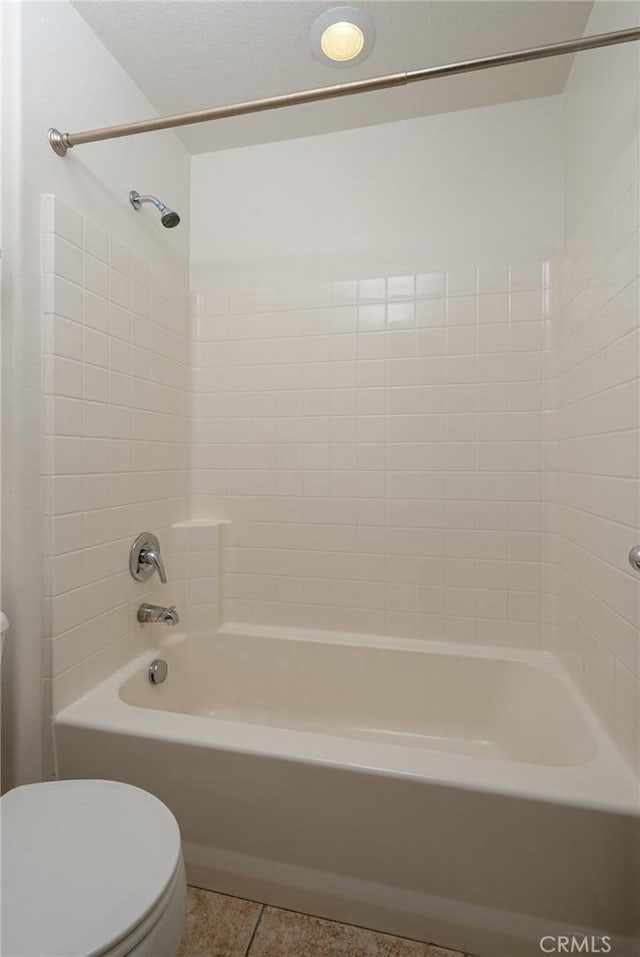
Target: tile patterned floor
{"type": "Point", "coordinates": [221, 926]}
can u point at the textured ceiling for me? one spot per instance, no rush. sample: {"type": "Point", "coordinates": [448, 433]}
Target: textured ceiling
{"type": "Point", "coordinates": [187, 55]}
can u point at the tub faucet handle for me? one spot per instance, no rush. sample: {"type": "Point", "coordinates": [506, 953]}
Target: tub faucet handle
{"type": "Point", "coordinates": [145, 558]}
{"type": "Point", "coordinates": [151, 556]}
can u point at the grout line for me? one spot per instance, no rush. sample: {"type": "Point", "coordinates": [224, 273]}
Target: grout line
{"type": "Point", "coordinates": [255, 931]}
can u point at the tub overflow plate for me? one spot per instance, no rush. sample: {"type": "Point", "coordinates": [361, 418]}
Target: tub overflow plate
{"type": "Point", "coordinates": [158, 671]}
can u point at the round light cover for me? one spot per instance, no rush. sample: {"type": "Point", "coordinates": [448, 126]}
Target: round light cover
{"type": "Point", "coordinates": [342, 41]}
{"type": "Point", "coordinates": [342, 37]}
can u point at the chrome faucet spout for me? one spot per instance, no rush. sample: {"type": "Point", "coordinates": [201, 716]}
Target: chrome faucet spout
{"type": "Point", "coordinates": [151, 556]}
{"type": "Point", "coordinates": [153, 613]}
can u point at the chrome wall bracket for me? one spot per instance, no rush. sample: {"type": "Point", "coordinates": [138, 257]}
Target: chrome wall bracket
{"type": "Point", "coordinates": [59, 142]}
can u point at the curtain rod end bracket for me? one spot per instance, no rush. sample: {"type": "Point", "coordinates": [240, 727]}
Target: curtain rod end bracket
{"type": "Point", "coordinates": [58, 142]}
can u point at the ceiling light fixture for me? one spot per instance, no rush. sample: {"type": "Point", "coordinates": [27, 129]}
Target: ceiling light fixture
{"type": "Point", "coordinates": [342, 37]}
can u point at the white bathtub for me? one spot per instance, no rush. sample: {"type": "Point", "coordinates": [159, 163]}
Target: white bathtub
{"type": "Point", "coordinates": [458, 795]}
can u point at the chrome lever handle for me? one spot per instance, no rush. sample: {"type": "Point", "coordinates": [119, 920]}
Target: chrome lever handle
{"type": "Point", "coordinates": [145, 558]}
{"type": "Point", "coordinates": [149, 556]}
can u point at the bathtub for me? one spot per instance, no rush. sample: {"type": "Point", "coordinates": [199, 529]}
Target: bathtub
{"type": "Point", "coordinates": [454, 794]}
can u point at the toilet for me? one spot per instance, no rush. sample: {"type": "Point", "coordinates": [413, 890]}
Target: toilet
{"type": "Point", "coordinates": [90, 869]}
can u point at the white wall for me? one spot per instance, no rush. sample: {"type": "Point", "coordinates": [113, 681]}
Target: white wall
{"type": "Point", "coordinates": [595, 383]}
{"type": "Point", "coordinates": [56, 73]}
{"type": "Point", "coordinates": [478, 186]}
{"type": "Point", "coordinates": [600, 108]}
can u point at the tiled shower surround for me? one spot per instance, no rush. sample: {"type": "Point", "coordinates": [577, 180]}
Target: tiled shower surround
{"type": "Point", "coordinates": [594, 463]}
{"type": "Point", "coordinates": [117, 441]}
{"type": "Point", "coordinates": [377, 445]}
{"type": "Point", "coordinates": [449, 454]}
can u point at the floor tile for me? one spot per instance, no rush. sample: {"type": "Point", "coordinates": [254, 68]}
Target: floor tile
{"type": "Point", "coordinates": [370, 943]}
{"type": "Point", "coordinates": [283, 933]}
{"type": "Point", "coordinates": [217, 925]}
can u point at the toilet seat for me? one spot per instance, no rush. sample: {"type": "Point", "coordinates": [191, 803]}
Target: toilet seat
{"type": "Point", "coordinates": [144, 938]}
{"type": "Point", "coordinates": [88, 867]}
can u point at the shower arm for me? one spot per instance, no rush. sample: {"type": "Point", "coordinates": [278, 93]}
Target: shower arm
{"type": "Point", "coordinates": [61, 142]}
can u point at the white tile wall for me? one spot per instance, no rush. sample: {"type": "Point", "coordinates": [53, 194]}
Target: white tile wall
{"type": "Point", "coordinates": [194, 549]}
{"type": "Point", "coordinates": [378, 447]}
{"type": "Point", "coordinates": [595, 454]}
{"type": "Point", "coordinates": [117, 440]}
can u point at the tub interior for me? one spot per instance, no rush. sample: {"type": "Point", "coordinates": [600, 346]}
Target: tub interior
{"type": "Point", "coordinates": [473, 705]}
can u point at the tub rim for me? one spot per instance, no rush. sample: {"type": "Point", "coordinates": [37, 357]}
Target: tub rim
{"type": "Point", "coordinates": [605, 782]}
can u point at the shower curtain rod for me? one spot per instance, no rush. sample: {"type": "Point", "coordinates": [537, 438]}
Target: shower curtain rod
{"type": "Point", "coordinates": [61, 142]}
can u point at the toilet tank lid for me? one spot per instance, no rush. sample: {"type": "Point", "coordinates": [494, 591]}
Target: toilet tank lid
{"type": "Point", "coordinates": [83, 863]}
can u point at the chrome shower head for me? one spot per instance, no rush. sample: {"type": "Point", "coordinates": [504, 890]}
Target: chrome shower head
{"type": "Point", "coordinates": [168, 217]}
